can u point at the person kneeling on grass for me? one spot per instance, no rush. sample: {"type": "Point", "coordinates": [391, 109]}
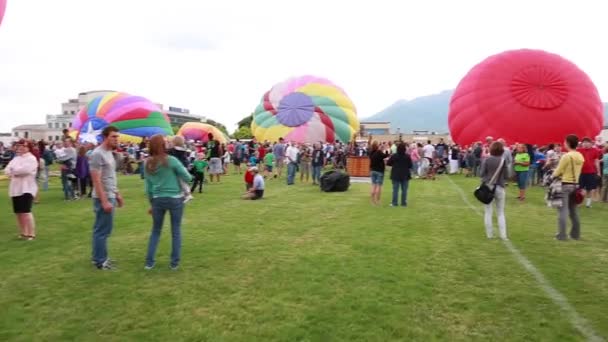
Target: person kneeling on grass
{"type": "Point", "coordinates": [256, 192]}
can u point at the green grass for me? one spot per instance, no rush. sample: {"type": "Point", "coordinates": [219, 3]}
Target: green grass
{"type": "Point", "coordinates": [302, 265]}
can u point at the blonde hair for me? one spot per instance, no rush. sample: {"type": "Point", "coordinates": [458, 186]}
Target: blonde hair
{"type": "Point", "coordinates": [178, 141]}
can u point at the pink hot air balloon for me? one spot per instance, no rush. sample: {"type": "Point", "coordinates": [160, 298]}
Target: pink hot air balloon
{"type": "Point", "coordinates": [526, 96]}
{"type": "Point", "coordinates": [2, 8]}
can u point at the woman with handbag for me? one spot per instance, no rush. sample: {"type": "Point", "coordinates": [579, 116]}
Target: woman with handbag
{"type": "Point", "coordinates": [494, 173]}
{"type": "Point", "coordinates": [569, 170]}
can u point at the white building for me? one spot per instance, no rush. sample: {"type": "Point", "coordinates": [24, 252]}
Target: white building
{"type": "Point", "coordinates": [35, 132]}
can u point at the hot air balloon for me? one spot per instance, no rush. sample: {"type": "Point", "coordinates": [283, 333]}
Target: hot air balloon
{"type": "Point", "coordinates": [527, 96]}
{"type": "Point", "coordinates": [199, 131]}
{"type": "Point", "coordinates": [133, 116]}
{"type": "Point", "coordinates": [2, 8]}
{"type": "Point", "coordinates": [305, 109]}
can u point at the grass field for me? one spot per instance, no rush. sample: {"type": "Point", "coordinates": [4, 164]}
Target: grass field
{"type": "Point", "coordinates": [304, 265]}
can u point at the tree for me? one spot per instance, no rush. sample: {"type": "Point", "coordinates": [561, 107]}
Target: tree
{"type": "Point", "coordinates": [175, 129]}
{"type": "Point", "coordinates": [218, 125]}
{"type": "Point", "coordinates": [242, 133]}
{"type": "Point", "coordinates": [246, 122]}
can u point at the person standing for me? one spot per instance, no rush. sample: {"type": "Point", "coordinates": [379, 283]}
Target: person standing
{"type": "Point", "coordinates": [279, 155]}
{"type": "Point", "coordinates": [106, 196]}
{"type": "Point", "coordinates": [401, 164]}
{"type": "Point", "coordinates": [22, 189]}
{"type": "Point", "coordinates": [82, 170]}
{"type": "Point", "coordinates": [522, 169]}
{"type": "Point", "coordinates": [237, 156]}
{"type": "Point", "coordinates": [305, 163]}
{"type": "Point", "coordinates": [591, 171]}
{"type": "Point", "coordinates": [454, 159]}
{"type": "Point", "coordinates": [605, 175]}
{"type": "Point", "coordinates": [292, 157]}
{"type": "Point", "coordinates": [569, 170]}
{"type": "Point", "coordinates": [317, 162]}
{"type": "Point", "coordinates": [163, 174]}
{"type": "Point", "coordinates": [377, 167]}
{"type": "Point", "coordinates": [494, 172]}
{"type": "Point", "coordinates": [214, 151]}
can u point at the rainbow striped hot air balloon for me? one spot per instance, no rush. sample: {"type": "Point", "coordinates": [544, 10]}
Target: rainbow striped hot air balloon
{"type": "Point", "coordinates": [132, 115]}
{"type": "Point", "coordinates": [305, 109]}
{"type": "Point", "coordinates": [200, 132]}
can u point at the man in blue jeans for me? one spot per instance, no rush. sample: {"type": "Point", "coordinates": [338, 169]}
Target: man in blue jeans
{"type": "Point", "coordinates": [105, 195]}
{"type": "Point", "coordinates": [292, 157]}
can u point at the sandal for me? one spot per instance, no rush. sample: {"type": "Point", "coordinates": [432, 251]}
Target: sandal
{"type": "Point", "coordinates": [22, 237]}
{"type": "Point", "coordinates": [31, 238]}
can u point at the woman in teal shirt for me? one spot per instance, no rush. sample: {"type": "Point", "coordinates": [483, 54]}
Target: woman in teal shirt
{"type": "Point", "coordinates": [522, 167]}
{"type": "Point", "coordinates": [163, 174]}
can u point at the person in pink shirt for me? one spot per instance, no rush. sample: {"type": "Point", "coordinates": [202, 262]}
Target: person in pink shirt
{"type": "Point", "coordinates": [23, 188]}
{"type": "Point", "coordinates": [415, 156]}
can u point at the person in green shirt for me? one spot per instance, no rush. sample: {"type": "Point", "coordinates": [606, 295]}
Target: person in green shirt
{"type": "Point", "coordinates": [268, 162]}
{"type": "Point", "coordinates": [199, 167]}
{"type": "Point", "coordinates": [521, 167]}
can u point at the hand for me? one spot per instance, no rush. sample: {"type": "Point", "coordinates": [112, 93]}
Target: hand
{"type": "Point", "coordinates": [119, 200]}
{"type": "Point", "coordinates": [107, 206]}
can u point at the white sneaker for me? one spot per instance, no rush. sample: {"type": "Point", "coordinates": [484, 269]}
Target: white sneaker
{"type": "Point", "coordinates": [188, 199]}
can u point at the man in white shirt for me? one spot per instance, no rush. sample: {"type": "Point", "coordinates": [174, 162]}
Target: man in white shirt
{"type": "Point", "coordinates": [428, 150]}
{"type": "Point", "coordinates": [292, 158]}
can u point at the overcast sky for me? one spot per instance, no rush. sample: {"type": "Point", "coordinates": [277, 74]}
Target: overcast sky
{"type": "Point", "coordinates": [217, 58]}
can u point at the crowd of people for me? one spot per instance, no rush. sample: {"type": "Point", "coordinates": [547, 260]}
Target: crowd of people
{"type": "Point", "coordinates": [174, 169]}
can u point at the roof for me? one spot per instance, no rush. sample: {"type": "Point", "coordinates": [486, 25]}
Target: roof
{"type": "Point", "coordinates": [96, 91]}
{"type": "Point", "coordinates": [31, 127]}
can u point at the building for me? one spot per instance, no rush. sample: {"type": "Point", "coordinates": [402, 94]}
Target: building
{"type": "Point", "coordinates": [179, 116]}
{"type": "Point", "coordinates": [374, 128]}
{"type": "Point", "coordinates": [604, 135]}
{"type": "Point", "coordinates": [35, 132]}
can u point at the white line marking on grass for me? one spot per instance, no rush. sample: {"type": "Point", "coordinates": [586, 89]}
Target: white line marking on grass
{"type": "Point", "coordinates": [580, 323]}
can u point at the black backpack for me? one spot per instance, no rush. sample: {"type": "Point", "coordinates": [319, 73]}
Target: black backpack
{"type": "Point", "coordinates": [335, 181]}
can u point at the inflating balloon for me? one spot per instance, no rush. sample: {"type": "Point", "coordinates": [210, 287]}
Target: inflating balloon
{"type": "Point", "coordinates": [199, 131]}
{"type": "Point", "coordinates": [526, 96]}
{"type": "Point", "coordinates": [2, 8]}
{"type": "Point", "coordinates": [305, 109]}
{"type": "Point", "coordinates": [132, 115]}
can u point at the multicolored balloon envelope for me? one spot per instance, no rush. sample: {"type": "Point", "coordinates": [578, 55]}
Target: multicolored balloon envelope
{"type": "Point", "coordinates": [199, 131]}
{"type": "Point", "coordinates": [132, 115]}
{"type": "Point", "coordinates": [526, 96]}
{"type": "Point", "coordinates": [305, 109]}
{"type": "Point", "coordinates": [2, 9]}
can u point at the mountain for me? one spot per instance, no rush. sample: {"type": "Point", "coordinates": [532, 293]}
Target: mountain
{"type": "Point", "coordinates": [424, 113]}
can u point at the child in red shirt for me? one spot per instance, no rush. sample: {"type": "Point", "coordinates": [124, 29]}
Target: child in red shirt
{"type": "Point", "coordinates": [249, 178]}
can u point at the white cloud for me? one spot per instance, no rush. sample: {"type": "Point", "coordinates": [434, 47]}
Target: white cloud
{"type": "Point", "coordinates": [218, 58]}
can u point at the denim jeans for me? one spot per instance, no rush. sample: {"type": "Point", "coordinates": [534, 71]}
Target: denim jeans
{"type": "Point", "coordinates": [522, 179]}
{"type": "Point", "coordinates": [316, 174]}
{"type": "Point", "coordinates": [160, 206]}
{"type": "Point", "coordinates": [403, 185]}
{"type": "Point", "coordinates": [291, 172]}
{"type": "Point", "coordinates": [68, 191]}
{"type": "Point", "coordinates": [499, 202]}
{"type": "Point", "coordinates": [45, 182]}
{"type": "Point", "coordinates": [102, 228]}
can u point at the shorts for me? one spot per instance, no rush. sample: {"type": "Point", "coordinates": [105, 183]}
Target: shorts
{"type": "Point", "coordinates": [522, 179]}
{"type": "Point", "coordinates": [588, 181]}
{"type": "Point", "coordinates": [258, 195]}
{"type": "Point", "coordinates": [279, 162]}
{"type": "Point", "coordinates": [236, 161]}
{"type": "Point", "coordinates": [268, 168]}
{"type": "Point", "coordinates": [23, 204]}
{"type": "Point", "coordinates": [377, 178]}
{"type": "Point", "coordinates": [215, 166]}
